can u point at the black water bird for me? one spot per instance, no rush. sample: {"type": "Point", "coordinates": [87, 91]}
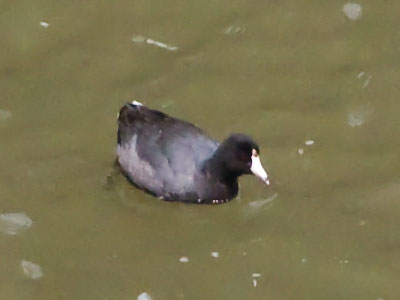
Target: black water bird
{"type": "Point", "coordinates": [176, 161]}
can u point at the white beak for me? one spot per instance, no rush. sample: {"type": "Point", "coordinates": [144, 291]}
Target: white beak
{"type": "Point", "coordinates": [258, 169]}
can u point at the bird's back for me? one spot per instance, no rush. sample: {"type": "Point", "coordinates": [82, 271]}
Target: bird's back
{"type": "Point", "coordinates": [161, 154]}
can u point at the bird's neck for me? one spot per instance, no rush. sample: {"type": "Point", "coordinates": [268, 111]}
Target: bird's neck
{"type": "Point", "coordinates": [216, 169]}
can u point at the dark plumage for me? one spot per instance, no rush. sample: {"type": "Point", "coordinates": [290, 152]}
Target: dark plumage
{"type": "Point", "coordinates": [176, 161]}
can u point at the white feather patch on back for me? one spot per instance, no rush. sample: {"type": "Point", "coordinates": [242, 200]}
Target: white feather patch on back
{"type": "Point", "coordinates": [134, 102]}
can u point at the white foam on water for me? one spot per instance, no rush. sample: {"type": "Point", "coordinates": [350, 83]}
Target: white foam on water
{"type": "Point", "coordinates": [352, 10]}
{"type": "Point", "coordinates": [233, 29]}
{"type": "Point", "coordinates": [355, 120]}
{"type": "Point", "coordinates": [161, 45]}
{"type": "Point", "coordinates": [149, 41]}
{"type": "Point", "coordinates": [31, 270]}
{"type": "Point", "coordinates": [367, 81]}
{"type": "Point", "coordinates": [309, 142]}
{"type": "Point", "coordinates": [184, 259]}
{"type": "Point", "coordinates": [144, 296]}
{"type": "Point", "coordinates": [255, 282]}
{"type": "Point", "coordinates": [215, 254]}
{"type": "Point", "coordinates": [359, 116]}
{"type": "Point", "coordinates": [44, 24]}
{"type": "Point", "coordinates": [13, 223]}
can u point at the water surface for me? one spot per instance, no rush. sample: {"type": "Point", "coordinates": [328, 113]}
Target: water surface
{"type": "Point", "coordinates": [284, 72]}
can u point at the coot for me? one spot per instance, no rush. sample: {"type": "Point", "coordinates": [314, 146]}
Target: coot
{"type": "Point", "coordinates": [176, 161]}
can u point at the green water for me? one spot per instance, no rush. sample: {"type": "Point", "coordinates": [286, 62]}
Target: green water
{"type": "Point", "coordinates": [282, 71]}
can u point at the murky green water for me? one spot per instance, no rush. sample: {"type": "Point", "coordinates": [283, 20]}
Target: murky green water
{"type": "Point", "coordinates": [283, 71]}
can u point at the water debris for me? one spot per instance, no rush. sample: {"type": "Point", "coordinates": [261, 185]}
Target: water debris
{"type": "Point", "coordinates": [142, 39]}
{"type": "Point", "coordinates": [5, 115]}
{"type": "Point", "coordinates": [31, 270]}
{"type": "Point", "coordinates": [44, 24]}
{"type": "Point", "coordinates": [362, 223]}
{"type": "Point", "coordinates": [13, 223]}
{"type": "Point", "coordinates": [255, 282]}
{"type": "Point", "coordinates": [344, 261]}
{"type": "Point", "coordinates": [184, 259]}
{"type": "Point", "coordinates": [233, 29]}
{"type": "Point", "coordinates": [304, 260]}
{"type": "Point", "coordinates": [300, 151]}
{"type": "Point", "coordinates": [215, 254]}
{"type": "Point", "coordinates": [309, 142]}
{"type": "Point", "coordinates": [144, 296]}
{"type": "Point", "coordinates": [256, 275]}
{"type": "Point", "coordinates": [352, 10]}
{"type": "Point", "coordinates": [260, 203]}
